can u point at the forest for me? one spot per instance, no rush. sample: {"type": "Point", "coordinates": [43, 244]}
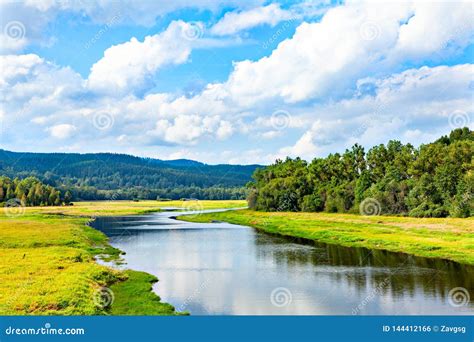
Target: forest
{"type": "Point", "coordinates": [30, 192]}
{"type": "Point", "coordinates": [105, 176]}
{"type": "Point", "coordinates": [434, 180]}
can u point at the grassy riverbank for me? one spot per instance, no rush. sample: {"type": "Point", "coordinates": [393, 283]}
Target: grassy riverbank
{"type": "Point", "coordinates": [446, 238]}
{"type": "Point", "coordinates": [47, 261]}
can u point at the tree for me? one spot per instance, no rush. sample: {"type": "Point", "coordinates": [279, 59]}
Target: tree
{"type": "Point", "coordinates": [434, 180]}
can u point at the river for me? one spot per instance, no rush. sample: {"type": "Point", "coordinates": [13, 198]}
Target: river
{"type": "Point", "coordinates": [224, 269]}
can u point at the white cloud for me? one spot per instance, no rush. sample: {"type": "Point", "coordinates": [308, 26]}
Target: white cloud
{"type": "Point", "coordinates": [32, 87]}
{"type": "Point", "coordinates": [233, 22]}
{"type": "Point", "coordinates": [187, 129]}
{"type": "Point", "coordinates": [304, 147]}
{"type": "Point", "coordinates": [225, 130]}
{"type": "Point", "coordinates": [142, 12]}
{"type": "Point", "coordinates": [36, 15]}
{"type": "Point", "coordinates": [127, 67]}
{"type": "Point", "coordinates": [271, 134]}
{"type": "Point", "coordinates": [401, 106]}
{"type": "Point", "coordinates": [13, 66]}
{"type": "Point", "coordinates": [430, 30]}
{"type": "Point", "coordinates": [320, 76]}
{"type": "Point", "coordinates": [62, 131]}
{"type": "Point", "coordinates": [323, 59]}
{"type": "Point", "coordinates": [9, 44]}
{"type": "Point", "coordinates": [21, 26]}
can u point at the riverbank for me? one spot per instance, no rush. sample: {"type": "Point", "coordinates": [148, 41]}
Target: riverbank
{"type": "Point", "coordinates": [48, 261]}
{"type": "Point", "coordinates": [446, 238]}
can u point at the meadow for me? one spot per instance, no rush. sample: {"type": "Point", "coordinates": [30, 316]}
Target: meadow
{"type": "Point", "coordinates": [48, 255]}
{"type": "Point", "coordinates": [48, 261]}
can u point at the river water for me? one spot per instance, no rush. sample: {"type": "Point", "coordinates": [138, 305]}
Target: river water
{"type": "Point", "coordinates": [224, 269]}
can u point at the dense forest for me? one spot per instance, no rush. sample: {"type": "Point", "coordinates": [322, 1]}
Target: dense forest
{"type": "Point", "coordinates": [30, 192]}
{"type": "Point", "coordinates": [434, 180]}
{"type": "Point", "coordinates": [104, 176]}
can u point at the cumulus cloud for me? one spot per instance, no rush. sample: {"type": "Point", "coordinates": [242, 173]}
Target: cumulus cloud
{"type": "Point", "coordinates": [21, 26]}
{"type": "Point", "coordinates": [127, 67]}
{"type": "Point", "coordinates": [61, 131]}
{"type": "Point", "coordinates": [430, 30]}
{"type": "Point", "coordinates": [142, 12]}
{"type": "Point", "coordinates": [32, 17]}
{"type": "Point", "coordinates": [347, 43]}
{"type": "Point", "coordinates": [401, 104]}
{"type": "Point", "coordinates": [187, 129]}
{"type": "Point", "coordinates": [324, 60]}
{"type": "Point", "coordinates": [33, 87]}
{"type": "Point", "coordinates": [341, 79]}
{"type": "Point", "coordinates": [233, 22]}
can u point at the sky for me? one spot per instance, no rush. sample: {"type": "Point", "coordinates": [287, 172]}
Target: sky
{"type": "Point", "coordinates": [238, 82]}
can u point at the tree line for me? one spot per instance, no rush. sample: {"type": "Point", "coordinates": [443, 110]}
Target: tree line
{"type": "Point", "coordinates": [30, 191]}
{"type": "Point", "coordinates": [143, 193]}
{"type": "Point", "coordinates": [104, 176]}
{"type": "Point", "coordinates": [434, 180]}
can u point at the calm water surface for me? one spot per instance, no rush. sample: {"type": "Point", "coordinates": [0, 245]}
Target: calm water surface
{"type": "Point", "coordinates": [224, 269]}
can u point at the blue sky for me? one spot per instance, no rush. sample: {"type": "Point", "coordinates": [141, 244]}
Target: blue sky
{"type": "Point", "coordinates": [232, 81]}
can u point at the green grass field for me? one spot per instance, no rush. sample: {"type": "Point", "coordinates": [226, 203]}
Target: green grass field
{"type": "Point", "coordinates": [47, 261]}
{"type": "Point", "coordinates": [117, 208]}
{"type": "Point", "coordinates": [446, 238]}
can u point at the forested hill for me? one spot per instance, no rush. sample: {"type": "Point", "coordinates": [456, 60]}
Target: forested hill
{"type": "Point", "coordinates": [104, 175]}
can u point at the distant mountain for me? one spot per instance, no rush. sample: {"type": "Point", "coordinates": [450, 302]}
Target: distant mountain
{"type": "Point", "coordinates": [129, 174]}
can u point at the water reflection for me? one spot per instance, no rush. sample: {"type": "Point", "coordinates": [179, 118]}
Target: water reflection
{"type": "Point", "coordinates": [219, 268]}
